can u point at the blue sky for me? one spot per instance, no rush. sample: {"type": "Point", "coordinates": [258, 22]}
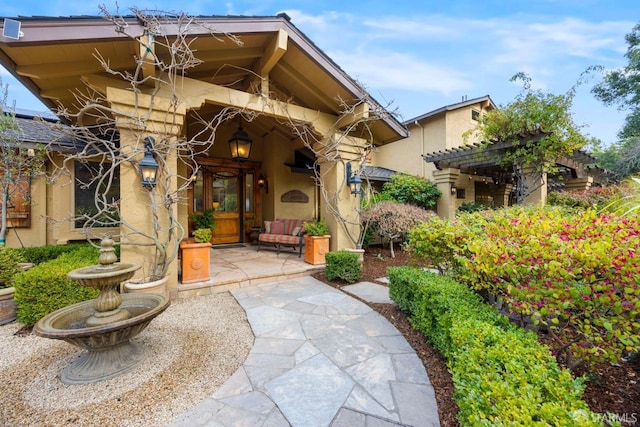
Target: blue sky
{"type": "Point", "coordinates": [418, 56]}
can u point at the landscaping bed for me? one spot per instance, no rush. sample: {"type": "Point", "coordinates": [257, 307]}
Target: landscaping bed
{"type": "Point", "coordinates": [614, 389]}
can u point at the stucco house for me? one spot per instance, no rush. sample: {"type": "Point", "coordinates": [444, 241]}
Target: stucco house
{"type": "Point", "coordinates": [438, 148]}
{"type": "Point", "coordinates": [263, 66]}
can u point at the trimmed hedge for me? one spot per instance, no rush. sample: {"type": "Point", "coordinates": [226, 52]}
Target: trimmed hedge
{"type": "Point", "coordinates": [502, 374]}
{"type": "Point", "coordinates": [46, 288]}
{"type": "Point", "coordinates": [9, 266]}
{"type": "Point", "coordinates": [343, 265]}
{"type": "Point", "coordinates": [40, 254]}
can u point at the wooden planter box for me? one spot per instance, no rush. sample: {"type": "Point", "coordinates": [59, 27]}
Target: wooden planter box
{"type": "Point", "coordinates": [315, 247]}
{"type": "Point", "coordinates": [195, 261]}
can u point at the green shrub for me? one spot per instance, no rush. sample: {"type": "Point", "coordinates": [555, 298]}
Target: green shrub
{"type": "Point", "coordinates": [443, 242]}
{"type": "Point", "coordinates": [40, 254]}
{"type": "Point", "coordinates": [46, 288]}
{"type": "Point", "coordinates": [502, 374]}
{"type": "Point", "coordinates": [203, 220]}
{"type": "Point", "coordinates": [202, 235]}
{"type": "Point", "coordinates": [472, 207]}
{"type": "Point", "coordinates": [413, 190]}
{"type": "Point", "coordinates": [9, 266]}
{"type": "Point", "coordinates": [343, 265]}
{"type": "Point", "coordinates": [316, 228]}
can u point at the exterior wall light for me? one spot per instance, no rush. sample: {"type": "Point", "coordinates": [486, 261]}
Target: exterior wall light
{"type": "Point", "coordinates": [148, 165]}
{"type": "Point", "coordinates": [240, 145]}
{"type": "Point", "coordinates": [263, 183]}
{"type": "Point", "coordinates": [354, 180]}
{"type": "Point", "coordinates": [453, 189]}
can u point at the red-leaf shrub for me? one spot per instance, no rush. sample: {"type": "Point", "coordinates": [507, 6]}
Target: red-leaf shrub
{"type": "Point", "coordinates": [393, 220]}
{"type": "Point", "coordinates": [578, 275]}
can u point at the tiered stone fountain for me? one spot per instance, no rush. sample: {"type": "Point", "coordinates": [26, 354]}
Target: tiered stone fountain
{"type": "Point", "coordinates": [103, 326]}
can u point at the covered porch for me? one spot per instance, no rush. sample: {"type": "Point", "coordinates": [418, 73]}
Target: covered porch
{"type": "Point", "coordinates": [236, 266]}
{"type": "Point", "coordinates": [177, 90]}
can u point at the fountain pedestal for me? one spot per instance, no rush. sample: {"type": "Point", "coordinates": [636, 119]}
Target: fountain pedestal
{"type": "Point", "coordinates": [103, 326]}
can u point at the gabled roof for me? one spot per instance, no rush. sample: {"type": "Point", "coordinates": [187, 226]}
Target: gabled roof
{"type": "Point", "coordinates": [464, 103]}
{"type": "Point", "coordinates": [36, 129]}
{"type": "Point", "coordinates": [56, 53]}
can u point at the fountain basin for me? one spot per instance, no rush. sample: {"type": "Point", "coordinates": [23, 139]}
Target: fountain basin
{"type": "Point", "coordinates": [98, 276]}
{"type": "Point", "coordinates": [109, 350]}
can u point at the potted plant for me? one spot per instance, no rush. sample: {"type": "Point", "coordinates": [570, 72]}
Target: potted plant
{"type": "Point", "coordinates": [195, 251]}
{"type": "Point", "coordinates": [10, 260]}
{"type": "Point", "coordinates": [316, 242]}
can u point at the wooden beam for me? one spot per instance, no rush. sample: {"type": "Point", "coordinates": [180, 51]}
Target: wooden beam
{"type": "Point", "coordinates": [101, 83]}
{"type": "Point", "coordinates": [299, 77]}
{"type": "Point", "coordinates": [66, 69]}
{"type": "Point", "coordinates": [148, 58]}
{"type": "Point", "coordinates": [360, 112]}
{"type": "Point", "coordinates": [195, 93]}
{"type": "Point", "coordinates": [276, 49]}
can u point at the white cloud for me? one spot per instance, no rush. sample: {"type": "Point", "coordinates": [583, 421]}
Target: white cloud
{"type": "Point", "coordinates": [402, 71]}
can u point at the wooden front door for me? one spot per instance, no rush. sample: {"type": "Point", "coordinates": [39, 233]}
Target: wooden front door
{"type": "Point", "coordinates": [228, 209]}
{"type": "Point", "coordinates": [230, 189]}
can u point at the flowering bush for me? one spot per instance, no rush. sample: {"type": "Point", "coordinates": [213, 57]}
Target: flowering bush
{"type": "Point", "coordinates": [576, 275]}
{"type": "Point", "coordinates": [594, 197]}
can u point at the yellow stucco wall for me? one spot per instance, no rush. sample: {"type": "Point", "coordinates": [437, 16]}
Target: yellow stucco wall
{"type": "Point", "coordinates": [284, 180]}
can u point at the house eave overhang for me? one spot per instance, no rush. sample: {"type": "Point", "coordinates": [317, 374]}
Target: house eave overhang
{"type": "Point", "coordinates": [59, 31]}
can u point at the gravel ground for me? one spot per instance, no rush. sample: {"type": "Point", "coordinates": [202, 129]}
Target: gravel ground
{"type": "Point", "coordinates": [193, 348]}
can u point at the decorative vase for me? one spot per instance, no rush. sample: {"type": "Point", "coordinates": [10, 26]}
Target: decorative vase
{"type": "Point", "coordinates": [195, 260]}
{"type": "Point", "coordinates": [149, 287]}
{"type": "Point", "coordinates": [7, 305]}
{"type": "Point", "coordinates": [315, 247]}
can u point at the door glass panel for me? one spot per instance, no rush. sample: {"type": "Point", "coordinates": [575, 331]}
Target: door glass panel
{"type": "Point", "coordinates": [198, 193]}
{"type": "Point", "coordinates": [225, 193]}
{"type": "Point", "coordinates": [248, 193]}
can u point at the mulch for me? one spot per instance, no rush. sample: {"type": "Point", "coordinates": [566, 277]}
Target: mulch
{"type": "Point", "coordinates": [612, 388]}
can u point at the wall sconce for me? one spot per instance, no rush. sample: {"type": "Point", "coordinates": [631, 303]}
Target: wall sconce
{"type": "Point", "coordinates": [453, 189]}
{"type": "Point", "coordinates": [148, 165]}
{"type": "Point", "coordinates": [354, 180]}
{"type": "Point", "coordinates": [263, 183]}
{"type": "Point", "coordinates": [240, 145]}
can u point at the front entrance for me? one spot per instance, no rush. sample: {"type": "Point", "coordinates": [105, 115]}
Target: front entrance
{"type": "Point", "coordinates": [230, 190]}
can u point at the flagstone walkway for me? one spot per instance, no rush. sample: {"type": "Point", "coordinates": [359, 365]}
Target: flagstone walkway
{"type": "Point", "coordinates": [320, 358]}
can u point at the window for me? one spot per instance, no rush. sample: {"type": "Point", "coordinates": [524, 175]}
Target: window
{"type": "Point", "coordinates": [461, 193]}
{"type": "Point", "coordinates": [248, 193]}
{"type": "Point", "coordinates": [475, 115]}
{"type": "Point", "coordinates": [19, 206]}
{"type": "Point", "coordinates": [85, 185]}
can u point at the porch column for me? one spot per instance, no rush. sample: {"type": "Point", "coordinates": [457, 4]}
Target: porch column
{"type": "Point", "coordinates": [579, 184]}
{"type": "Point", "coordinates": [446, 205]}
{"type": "Point", "coordinates": [501, 195]}
{"type": "Point", "coordinates": [138, 116]}
{"type": "Point", "coordinates": [538, 183]}
{"type": "Point", "coordinates": [345, 233]}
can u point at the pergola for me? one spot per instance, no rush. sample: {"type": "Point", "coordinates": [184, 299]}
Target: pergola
{"type": "Point", "coordinates": [511, 181]}
{"type": "Point", "coordinates": [485, 159]}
